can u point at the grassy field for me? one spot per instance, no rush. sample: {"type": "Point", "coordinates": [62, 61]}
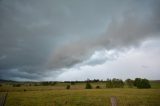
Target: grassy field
{"type": "Point", "coordinates": [78, 96]}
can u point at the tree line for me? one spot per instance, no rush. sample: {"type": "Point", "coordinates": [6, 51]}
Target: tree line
{"type": "Point", "coordinates": [110, 83]}
{"type": "Point", "coordinates": [118, 83]}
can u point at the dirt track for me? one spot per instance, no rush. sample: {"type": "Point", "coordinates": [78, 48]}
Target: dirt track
{"type": "Point", "coordinates": [113, 101]}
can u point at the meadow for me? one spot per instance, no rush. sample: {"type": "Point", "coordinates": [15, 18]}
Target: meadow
{"type": "Point", "coordinates": [77, 95]}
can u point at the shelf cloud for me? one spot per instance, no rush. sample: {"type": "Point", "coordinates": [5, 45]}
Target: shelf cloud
{"type": "Point", "coordinates": [39, 37]}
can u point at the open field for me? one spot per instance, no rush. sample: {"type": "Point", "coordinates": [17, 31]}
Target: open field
{"type": "Point", "coordinates": [94, 97]}
{"type": "Point", "coordinates": [78, 96]}
{"type": "Point", "coordinates": [58, 86]}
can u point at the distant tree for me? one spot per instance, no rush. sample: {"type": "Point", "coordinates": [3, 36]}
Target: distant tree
{"type": "Point", "coordinates": [53, 83]}
{"type": "Point", "coordinates": [36, 84]}
{"type": "Point", "coordinates": [142, 83]}
{"type": "Point", "coordinates": [47, 83]}
{"type": "Point", "coordinates": [68, 87]}
{"type": "Point", "coordinates": [72, 83]}
{"type": "Point", "coordinates": [117, 83]}
{"type": "Point", "coordinates": [0, 85]}
{"type": "Point", "coordinates": [88, 85]}
{"type": "Point", "coordinates": [16, 85]}
{"type": "Point", "coordinates": [44, 83]}
{"type": "Point", "coordinates": [137, 81]}
{"type": "Point", "coordinates": [96, 80]}
{"type": "Point", "coordinates": [98, 87]}
{"type": "Point", "coordinates": [114, 83]}
{"type": "Point", "coordinates": [109, 83]}
{"type": "Point", "coordinates": [129, 83]}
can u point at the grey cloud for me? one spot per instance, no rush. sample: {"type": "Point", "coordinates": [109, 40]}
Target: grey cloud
{"type": "Point", "coordinates": [14, 74]}
{"type": "Point", "coordinates": [100, 57]}
{"type": "Point", "coordinates": [38, 36]}
{"type": "Point", "coordinates": [125, 30]}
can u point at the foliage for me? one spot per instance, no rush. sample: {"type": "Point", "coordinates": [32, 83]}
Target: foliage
{"type": "Point", "coordinates": [16, 85]}
{"type": "Point", "coordinates": [98, 87]}
{"type": "Point", "coordinates": [137, 81]}
{"type": "Point", "coordinates": [114, 83]}
{"type": "Point", "coordinates": [88, 85]}
{"type": "Point", "coordinates": [117, 83]}
{"type": "Point", "coordinates": [109, 83]}
{"type": "Point", "coordinates": [72, 83]}
{"type": "Point", "coordinates": [129, 83]}
{"type": "Point", "coordinates": [48, 83]}
{"type": "Point", "coordinates": [142, 83]}
{"type": "Point", "coordinates": [68, 87]}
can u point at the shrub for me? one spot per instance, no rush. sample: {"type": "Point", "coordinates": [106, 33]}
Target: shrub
{"type": "Point", "coordinates": [129, 83]}
{"type": "Point", "coordinates": [16, 85]}
{"type": "Point", "coordinates": [109, 84]}
{"type": "Point", "coordinates": [53, 83]}
{"type": "Point", "coordinates": [142, 83]}
{"type": "Point", "coordinates": [36, 84]}
{"type": "Point", "coordinates": [97, 87]}
{"type": "Point", "coordinates": [72, 83]}
{"type": "Point", "coordinates": [114, 83]}
{"type": "Point", "coordinates": [68, 87]}
{"type": "Point", "coordinates": [137, 81]}
{"type": "Point", "coordinates": [117, 83]}
{"type": "Point", "coordinates": [88, 85]}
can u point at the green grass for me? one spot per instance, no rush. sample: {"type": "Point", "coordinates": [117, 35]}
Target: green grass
{"type": "Point", "coordinates": [94, 97]}
{"type": "Point", "coordinates": [155, 84]}
{"type": "Point", "coordinates": [78, 96]}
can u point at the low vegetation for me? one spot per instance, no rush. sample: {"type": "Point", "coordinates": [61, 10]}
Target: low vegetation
{"type": "Point", "coordinates": [16, 85]}
{"type": "Point", "coordinates": [129, 83]}
{"type": "Point", "coordinates": [85, 97]}
{"type": "Point", "coordinates": [142, 83]}
{"type": "Point", "coordinates": [68, 87]}
{"type": "Point", "coordinates": [88, 85]}
{"type": "Point", "coordinates": [82, 93]}
{"type": "Point", "coordinates": [114, 83]}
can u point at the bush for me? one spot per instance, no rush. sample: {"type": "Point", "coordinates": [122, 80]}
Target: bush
{"type": "Point", "coordinates": [97, 87]}
{"type": "Point", "coordinates": [142, 83]}
{"type": "Point", "coordinates": [114, 83]}
{"type": "Point", "coordinates": [137, 81]}
{"type": "Point", "coordinates": [16, 85]}
{"type": "Point", "coordinates": [68, 87]}
{"type": "Point", "coordinates": [36, 84]}
{"type": "Point", "coordinates": [0, 85]}
{"type": "Point", "coordinates": [129, 83]}
{"type": "Point", "coordinates": [72, 83]}
{"type": "Point", "coordinates": [53, 83]}
{"type": "Point", "coordinates": [109, 84]}
{"type": "Point", "coordinates": [117, 83]}
{"type": "Point", "coordinates": [88, 85]}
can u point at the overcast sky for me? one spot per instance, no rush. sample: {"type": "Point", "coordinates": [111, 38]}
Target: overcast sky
{"type": "Point", "coordinates": [79, 39]}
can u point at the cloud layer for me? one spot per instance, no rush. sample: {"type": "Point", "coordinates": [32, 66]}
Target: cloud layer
{"type": "Point", "coordinates": [39, 36]}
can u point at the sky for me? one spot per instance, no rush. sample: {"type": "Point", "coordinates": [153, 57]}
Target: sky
{"type": "Point", "coordinates": [58, 40]}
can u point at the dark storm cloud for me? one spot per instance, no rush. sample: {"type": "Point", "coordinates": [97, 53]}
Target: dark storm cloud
{"type": "Point", "coordinates": [134, 25]}
{"type": "Point", "coordinates": [36, 36]}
